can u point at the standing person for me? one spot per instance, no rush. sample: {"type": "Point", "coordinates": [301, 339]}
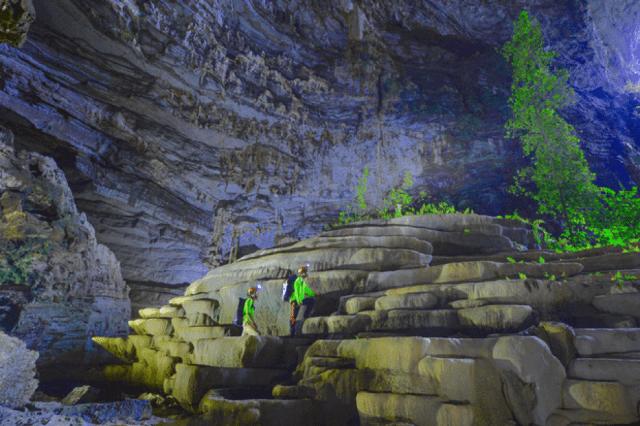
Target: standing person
{"type": "Point", "coordinates": [300, 289]}
{"type": "Point", "coordinates": [249, 327]}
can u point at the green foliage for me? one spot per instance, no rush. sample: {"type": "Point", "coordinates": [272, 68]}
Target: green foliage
{"type": "Point", "coordinates": [618, 277]}
{"type": "Point", "coordinates": [398, 199]}
{"type": "Point", "coordinates": [353, 213]}
{"type": "Point", "coordinates": [615, 220]}
{"type": "Point", "coordinates": [561, 173]}
{"type": "Point", "coordinates": [522, 276]}
{"type": "Point", "coordinates": [17, 257]}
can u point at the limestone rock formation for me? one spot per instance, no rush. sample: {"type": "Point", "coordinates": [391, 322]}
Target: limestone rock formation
{"type": "Point", "coordinates": [15, 18]}
{"type": "Point", "coordinates": [17, 371]}
{"type": "Point", "coordinates": [195, 132]}
{"type": "Point", "coordinates": [58, 286]}
{"type": "Point", "coordinates": [417, 322]}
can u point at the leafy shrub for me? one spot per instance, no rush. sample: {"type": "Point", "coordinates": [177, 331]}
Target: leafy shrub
{"type": "Point", "coordinates": [398, 199]}
{"type": "Point", "coordinates": [17, 257]}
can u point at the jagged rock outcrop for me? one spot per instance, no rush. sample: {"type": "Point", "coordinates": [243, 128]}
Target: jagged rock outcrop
{"type": "Point", "coordinates": [195, 132]}
{"type": "Point", "coordinates": [58, 286]}
{"type": "Point", "coordinates": [424, 320]}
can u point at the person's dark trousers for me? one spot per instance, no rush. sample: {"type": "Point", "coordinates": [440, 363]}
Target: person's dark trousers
{"type": "Point", "coordinates": [308, 302]}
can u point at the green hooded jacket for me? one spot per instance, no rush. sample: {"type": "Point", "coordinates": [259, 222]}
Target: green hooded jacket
{"type": "Point", "coordinates": [300, 288]}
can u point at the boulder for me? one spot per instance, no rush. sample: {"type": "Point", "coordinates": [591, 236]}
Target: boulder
{"type": "Point", "coordinates": [531, 361]}
{"type": "Point", "coordinates": [17, 371]}
{"type": "Point", "coordinates": [561, 340]}
{"type": "Point", "coordinates": [81, 395]}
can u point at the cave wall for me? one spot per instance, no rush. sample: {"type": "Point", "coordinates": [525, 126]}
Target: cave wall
{"type": "Point", "coordinates": [195, 131]}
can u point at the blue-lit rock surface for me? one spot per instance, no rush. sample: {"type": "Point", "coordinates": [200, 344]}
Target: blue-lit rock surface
{"type": "Point", "coordinates": [192, 132]}
{"type": "Point", "coordinates": [58, 286]}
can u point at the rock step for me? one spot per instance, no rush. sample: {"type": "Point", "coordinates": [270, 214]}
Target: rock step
{"type": "Point", "coordinates": [607, 400]}
{"type": "Point", "coordinates": [464, 272]}
{"type": "Point", "coordinates": [621, 304]}
{"type": "Point", "coordinates": [444, 243]}
{"type": "Point", "coordinates": [191, 334]}
{"type": "Point", "coordinates": [488, 318]}
{"type": "Point", "coordinates": [325, 241]}
{"type": "Point", "coordinates": [515, 230]}
{"type": "Point", "coordinates": [599, 342]}
{"type": "Point", "coordinates": [419, 410]}
{"type": "Point", "coordinates": [624, 371]}
{"type": "Point", "coordinates": [594, 260]}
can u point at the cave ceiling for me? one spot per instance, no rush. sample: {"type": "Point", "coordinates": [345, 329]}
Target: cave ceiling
{"type": "Point", "coordinates": [196, 131]}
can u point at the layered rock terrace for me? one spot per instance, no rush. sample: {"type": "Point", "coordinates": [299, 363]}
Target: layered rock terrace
{"type": "Point", "coordinates": [426, 320]}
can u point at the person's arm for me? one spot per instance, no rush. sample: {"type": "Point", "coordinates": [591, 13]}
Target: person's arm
{"type": "Point", "coordinates": [308, 291]}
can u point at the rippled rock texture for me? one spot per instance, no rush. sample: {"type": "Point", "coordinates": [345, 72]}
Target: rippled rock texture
{"type": "Point", "coordinates": [58, 286]}
{"type": "Point", "coordinates": [193, 132]}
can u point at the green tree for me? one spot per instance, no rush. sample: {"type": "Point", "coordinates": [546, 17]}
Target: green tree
{"type": "Point", "coordinates": [560, 171]}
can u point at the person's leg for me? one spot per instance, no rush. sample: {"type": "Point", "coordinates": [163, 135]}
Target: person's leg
{"type": "Point", "coordinates": [249, 330]}
{"type": "Point", "coordinates": [308, 302]}
{"type": "Point", "coordinates": [295, 308]}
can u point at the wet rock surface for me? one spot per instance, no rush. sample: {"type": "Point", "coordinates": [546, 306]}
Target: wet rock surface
{"type": "Point", "coordinates": [195, 132]}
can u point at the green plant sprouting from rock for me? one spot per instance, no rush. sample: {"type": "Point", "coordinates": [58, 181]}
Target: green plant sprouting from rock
{"type": "Point", "coordinates": [401, 203]}
{"type": "Point", "coordinates": [592, 216]}
{"type": "Point", "coordinates": [20, 248]}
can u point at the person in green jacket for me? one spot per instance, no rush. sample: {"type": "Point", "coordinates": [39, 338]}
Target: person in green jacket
{"type": "Point", "coordinates": [300, 289]}
{"type": "Point", "coordinates": [249, 327]}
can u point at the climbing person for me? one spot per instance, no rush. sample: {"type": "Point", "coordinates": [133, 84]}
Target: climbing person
{"type": "Point", "coordinates": [300, 290]}
{"type": "Point", "coordinates": [249, 327]}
